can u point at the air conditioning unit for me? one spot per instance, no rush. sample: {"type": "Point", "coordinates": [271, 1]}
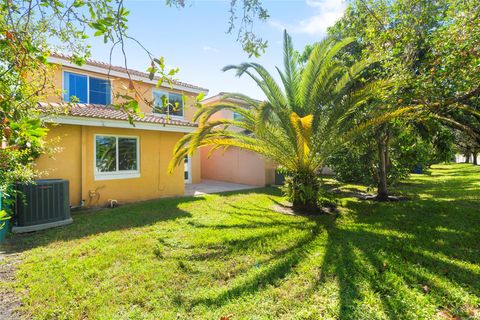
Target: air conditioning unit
{"type": "Point", "coordinates": [42, 205]}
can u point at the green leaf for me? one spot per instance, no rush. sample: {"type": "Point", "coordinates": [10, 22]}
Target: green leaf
{"type": "Point", "coordinates": [159, 82]}
{"type": "Point", "coordinates": [200, 96]}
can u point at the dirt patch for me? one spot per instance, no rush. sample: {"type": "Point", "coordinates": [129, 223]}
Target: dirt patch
{"type": "Point", "coordinates": [473, 312]}
{"type": "Point", "coordinates": [287, 208]}
{"type": "Point", "coordinates": [351, 193]}
{"type": "Point", "coordinates": [390, 198]}
{"type": "Point", "coordinates": [365, 196]}
{"type": "Point", "coordinates": [445, 314]}
{"type": "Point", "coordinates": [10, 300]}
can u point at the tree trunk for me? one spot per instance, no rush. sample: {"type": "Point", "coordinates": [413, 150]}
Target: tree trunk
{"type": "Point", "coordinates": [467, 158]}
{"type": "Point", "coordinates": [382, 190]}
{"type": "Point", "coordinates": [475, 161]}
{"type": "Point", "coordinates": [304, 192]}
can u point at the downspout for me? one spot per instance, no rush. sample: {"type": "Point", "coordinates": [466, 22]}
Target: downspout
{"type": "Point", "coordinates": [83, 169]}
{"type": "Point", "coordinates": [84, 164]}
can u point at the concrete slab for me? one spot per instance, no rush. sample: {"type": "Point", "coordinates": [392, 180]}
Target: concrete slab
{"type": "Point", "coordinates": [43, 226]}
{"type": "Point", "coordinates": [213, 186]}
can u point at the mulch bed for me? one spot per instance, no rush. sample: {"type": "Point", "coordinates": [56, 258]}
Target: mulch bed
{"type": "Point", "coordinates": [10, 300]}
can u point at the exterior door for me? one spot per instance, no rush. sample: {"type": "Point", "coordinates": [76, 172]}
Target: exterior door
{"type": "Point", "coordinates": [187, 169]}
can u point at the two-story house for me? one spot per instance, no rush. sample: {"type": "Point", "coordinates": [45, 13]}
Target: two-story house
{"type": "Point", "coordinates": [105, 157]}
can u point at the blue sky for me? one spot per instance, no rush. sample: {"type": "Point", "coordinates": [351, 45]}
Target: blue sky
{"type": "Point", "coordinates": [195, 39]}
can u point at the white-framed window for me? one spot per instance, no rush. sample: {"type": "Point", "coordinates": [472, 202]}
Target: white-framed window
{"type": "Point", "coordinates": [116, 157]}
{"type": "Point", "coordinates": [168, 103]}
{"type": "Point", "coordinates": [86, 89]}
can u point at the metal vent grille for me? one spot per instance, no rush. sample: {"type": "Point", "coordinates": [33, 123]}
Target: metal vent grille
{"type": "Point", "coordinates": [45, 201]}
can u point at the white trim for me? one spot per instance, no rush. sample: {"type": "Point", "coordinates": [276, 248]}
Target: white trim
{"type": "Point", "coordinates": [173, 116]}
{"type": "Point", "coordinates": [88, 85]}
{"type": "Point", "coordinates": [117, 174]}
{"type": "Point", "coordinates": [100, 177]}
{"type": "Point", "coordinates": [88, 88]}
{"type": "Point", "coordinates": [113, 73]}
{"type": "Point", "coordinates": [95, 122]}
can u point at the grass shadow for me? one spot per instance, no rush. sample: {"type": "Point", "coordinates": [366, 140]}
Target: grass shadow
{"type": "Point", "coordinates": [273, 269]}
{"type": "Point", "coordinates": [384, 260]}
{"type": "Point", "coordinates": [93, 222]}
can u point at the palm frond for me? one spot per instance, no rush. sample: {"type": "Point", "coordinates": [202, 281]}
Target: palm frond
{"type": "Point", "coordinates": [263, 79]}
{"type": "Point", "coordinates": [319, 65]}
{"type": "Point", "coordinates": [291, 76]}
{"type": "Point", "coordinates": [303, 118]}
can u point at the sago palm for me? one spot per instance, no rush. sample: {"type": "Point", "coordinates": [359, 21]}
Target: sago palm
{"type": "Point", "coordinates": [298, 124]}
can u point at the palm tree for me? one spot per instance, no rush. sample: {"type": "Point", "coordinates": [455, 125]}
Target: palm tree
{"type": "Point", "coordinates": [300, 122]}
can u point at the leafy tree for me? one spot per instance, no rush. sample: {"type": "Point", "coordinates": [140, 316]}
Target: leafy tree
{"type": "Point", "coordinates": [357, 161]}
{"type": "Point", "coordinates": [443, 142]}
{"type": "Point", "coordinates": [298, 125]}
{"type": "Point", "coordinates": [430, 80]}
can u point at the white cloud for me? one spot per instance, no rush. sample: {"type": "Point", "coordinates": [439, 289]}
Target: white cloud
{"type": "Point", "coordinates": [209, 49]}
{"type": "Point", "coordinates": [326, 13]}
{"type": "Point", "coordinates": [314, 3]}
{"type": "Point", "coordinates": [276, 24]}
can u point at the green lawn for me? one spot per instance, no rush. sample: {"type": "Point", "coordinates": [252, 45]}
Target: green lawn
{"type": "Point", "coordinates": [230, 254]}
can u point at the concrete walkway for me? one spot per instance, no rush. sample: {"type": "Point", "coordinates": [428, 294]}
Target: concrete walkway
{"type": "Point", "coordinates": [212, 186]}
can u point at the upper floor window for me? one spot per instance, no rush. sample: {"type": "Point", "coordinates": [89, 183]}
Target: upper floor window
{"type": "Point", "coordinates": [237, 116]}
{"type": "Point", "coordinates": [86, 89]}
{"type": "Point", "coordinates": [167, 103]}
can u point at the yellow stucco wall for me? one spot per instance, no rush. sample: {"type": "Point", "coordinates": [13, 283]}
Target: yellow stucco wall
{"type": "Point", "coordinates": [72, 143]}
{"type": "Point", "coordinates": [64, 161]}
{"type": "Point", "coordinates": [74, 159]}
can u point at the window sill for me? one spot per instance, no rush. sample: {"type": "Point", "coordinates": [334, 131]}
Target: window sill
{"type": "Point", "coordinates": [163, 115]}
{"type": "Point", "coordinates": [116, 176]}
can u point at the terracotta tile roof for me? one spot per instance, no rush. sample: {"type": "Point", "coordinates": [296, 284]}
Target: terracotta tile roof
{"type": "Point", "coordinates": [137, 73]}
{"type": "Point", "coordinates": [97, 111]}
